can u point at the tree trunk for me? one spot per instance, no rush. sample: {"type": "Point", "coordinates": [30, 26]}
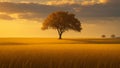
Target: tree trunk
{"type": "Point", "coordinates": [60, 36]}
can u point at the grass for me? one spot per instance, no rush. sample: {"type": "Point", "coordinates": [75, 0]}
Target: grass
{"type": "Point", "coordinates": [54, 53]}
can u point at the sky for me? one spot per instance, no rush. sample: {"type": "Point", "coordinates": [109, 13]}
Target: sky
{"type": "Point", "coordinates": [24, 18]}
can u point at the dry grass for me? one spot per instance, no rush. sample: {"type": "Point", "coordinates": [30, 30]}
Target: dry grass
{"type": "Point", "coordinates": [54, 53]}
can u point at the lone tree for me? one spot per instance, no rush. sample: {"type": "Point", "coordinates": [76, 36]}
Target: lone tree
{"type": "Point", "coordinates": [103, 36]}
{"type": "Point", "coordinates": [62, 22]}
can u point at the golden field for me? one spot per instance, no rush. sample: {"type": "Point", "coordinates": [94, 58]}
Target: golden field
{"type": "Point", "coordinates": [54, 53]}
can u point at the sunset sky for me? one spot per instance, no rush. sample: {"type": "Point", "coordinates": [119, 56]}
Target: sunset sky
{"type": "Point", "coordinates": [24, 18]}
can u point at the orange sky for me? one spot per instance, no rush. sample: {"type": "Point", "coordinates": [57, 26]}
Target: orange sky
{"type": "Point", "coordinates": [24, 28]}
{"type": "Point", "coordinates": [19, 21]}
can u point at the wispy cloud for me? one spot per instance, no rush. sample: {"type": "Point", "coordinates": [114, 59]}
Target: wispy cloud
{"type": "Point", "coordinates": [62, 2]}
{"type": "Point", "coordinates": [5, 17]}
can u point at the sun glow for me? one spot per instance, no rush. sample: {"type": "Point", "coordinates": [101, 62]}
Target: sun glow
{"type": "Point", "coordinates": [103, 1]}
{"type": "Point", "coordinates": [88, 2]}
{"type": "Point", "coordinates": [14, 16]}
{"type": "Point", "coordinates": [60, 2]}
{"type": "Point", "coordinates": [93, 2]}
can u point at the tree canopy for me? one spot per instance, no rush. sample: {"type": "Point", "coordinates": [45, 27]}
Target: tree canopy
{"type": "Point", "coordinates": [62, 21]}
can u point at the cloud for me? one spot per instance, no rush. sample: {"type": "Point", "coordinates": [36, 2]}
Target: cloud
{"type": "Point", "coordinates": [9, 7]}
{"type": "Point", "coordinates": [99, 10]}
{"type": "Point", "coordinates": [114, 1]}
{"type": "Point", "coordinates": [108, 9]}
{"type": "Point", "coordinates": [12, 8]}
{"type": "Point", "coordinates": [31, 16]}
{"type": "Point", "coordinates": [36, 11]}
{"type": "Point", "coordinates": [62, 2]}
{"type": "Point", "coordinates": [103, 1]}
{"type": "Point", "coordinates": [29, 10]}
{"type": "Point", "coordinates": [80, 2]}
{"type": "Point", "coordinates": [5, 17]}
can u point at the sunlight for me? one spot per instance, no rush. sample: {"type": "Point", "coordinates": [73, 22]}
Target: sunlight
{"type": "Point", "coordinates": [103, 1]}
{"type": "Point", "coordinates": [60, 2]}
{"type": "Point", "coordinates": [14, 16]}
{"type": "Point", "coordinates": [82, 34]}
{"type": "Point", "coordinates": [92, 2]}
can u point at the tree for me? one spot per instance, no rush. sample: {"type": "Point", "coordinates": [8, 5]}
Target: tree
{"type": "Point", "coordinates": [103, 36]}
{"type": "Point", "coordinates": [113, 36]}
{"type": "Point", "coordinates": [62, 22]}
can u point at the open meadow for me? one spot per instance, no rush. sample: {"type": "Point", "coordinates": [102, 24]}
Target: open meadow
{"type": "Point", "coordinates": [54, 53]}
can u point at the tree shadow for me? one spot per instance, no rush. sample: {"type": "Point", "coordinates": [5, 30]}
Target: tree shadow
{"type": "Point", "coordinates": [12, 43]}
{"type": "Point", "coordinates": [71, 41]}
{"type": "Point", "coordinates": [95, 41]}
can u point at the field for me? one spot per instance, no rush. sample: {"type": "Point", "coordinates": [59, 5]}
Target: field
{"type": "Point", "coordinates": [54, 53]}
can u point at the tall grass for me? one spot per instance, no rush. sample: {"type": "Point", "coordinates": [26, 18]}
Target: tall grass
{"type": "Point", "coordinates": [56, 57]}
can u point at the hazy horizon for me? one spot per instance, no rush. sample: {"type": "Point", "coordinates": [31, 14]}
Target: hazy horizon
{"type": "Point", "coordinates": [33, 29]}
